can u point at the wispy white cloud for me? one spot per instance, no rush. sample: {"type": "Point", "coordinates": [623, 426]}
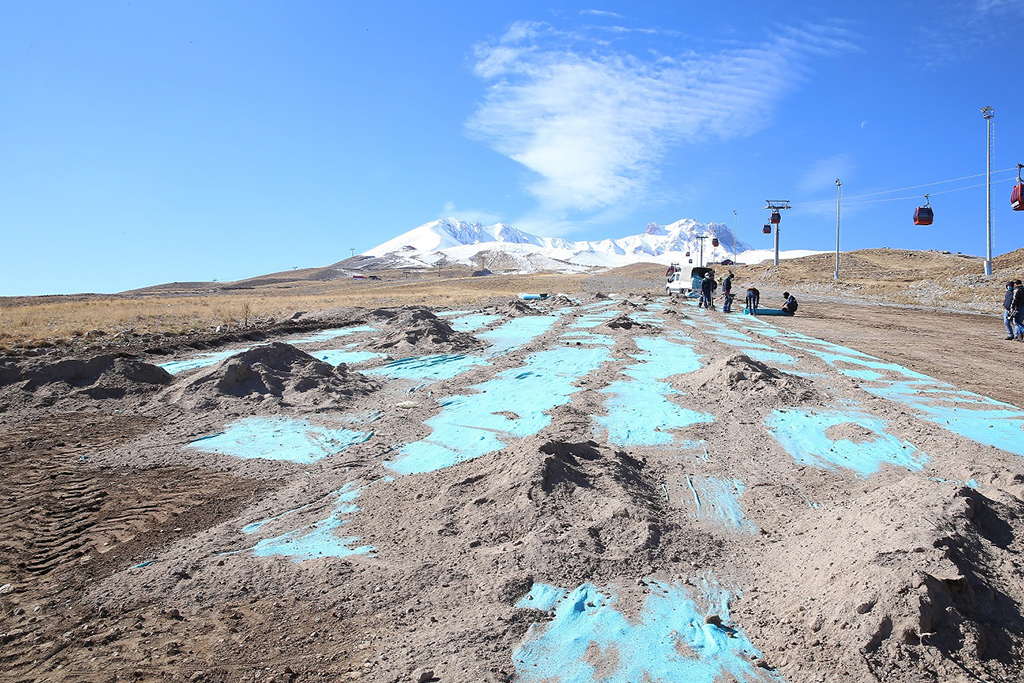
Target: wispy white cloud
{"type": "Point", "coordinates": [958, 30]}
{"type": "Point", "coordinates": [613, 15]}
{"type": "Point", "coordinates": [822, 174]}
{"type": "Point", "coordinates": [594, 124]}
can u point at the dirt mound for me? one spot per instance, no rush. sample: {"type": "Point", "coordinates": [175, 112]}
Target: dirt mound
{"type": "Point", "coordinates": [517, 309]}
{"type": "Point", "coordinates": [588, 506]}
{"type": "Point", "coordinates": [870, 586]}
{"type": "Point", "coordinates": [277, 372]}
{"type": "Point", "coordinates": [44, 382]}
{"type": "Point", "coordinates": [623, 321]}
{"type": "Point", "coordinates": [751, 379]}
{"type": "Point", "coordinates": [417, 331]}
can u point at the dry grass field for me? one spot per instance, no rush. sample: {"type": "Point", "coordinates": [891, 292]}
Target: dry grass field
{"type": "Point", "coordinates": [935, 280]}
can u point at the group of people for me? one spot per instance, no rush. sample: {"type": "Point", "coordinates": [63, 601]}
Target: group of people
{"type": "Point", "coordinates": [707, 287]}
{"type": "Point", "coordinates": [1013, 310]}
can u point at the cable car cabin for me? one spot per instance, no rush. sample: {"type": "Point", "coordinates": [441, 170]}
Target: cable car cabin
{"type": "Point", "coordinates": [776, 217]}
{"type": "Point", "coordinates": [767, 230]}
{"type": "Point", "coordinates": [923, 215]}
{"type": "Point", "coordinates": [1017, 197]}
{"type": "Point", "coordinates": [687, 253]}
{"type": "Point", "coordinates": [714, 242]}
{"type": "Point", "coordinates": [690, 261]}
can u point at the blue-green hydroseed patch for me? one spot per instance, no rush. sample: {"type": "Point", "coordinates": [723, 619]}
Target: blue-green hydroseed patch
{"type": "Point", "coordinates": [279, 438]}
{"type": "Point", "coordinates": [967, 414]}
{"type": "Point", "coordinates": [803, 434]}
{"type": "Point", "coordinates": [668, 642]}
{"type": "Point", "coordinates": [501, 340]}
{"type": "Point", "coordinates": [512, 404]}
{"type": "Point", "coordinates": [339, 356]}
{"type": "Point", "coordinates": [970, 415]}
{"type": "Point", "coordinates": [589, 338]}
{"type": "Point", "coordinates": [542, 596]}
{"type": "Point", "coordinates": [430, 368]}
{"type": "Point", "coordinates": [717, 503]}
{"type": "Point", "coordinates": [319, 539]}
{"type": "Point", "coordinates": [639, 410]}
{"type": "Point", "coordinates": [469, 323]}
{"type": "Point", "coordinates": [327, 335]}
{"type": "Point", "coordinates": [200, 360]}
{"type": "Point", "coordinates": [588, 320]}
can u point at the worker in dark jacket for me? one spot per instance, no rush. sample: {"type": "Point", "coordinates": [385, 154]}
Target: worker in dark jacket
{"type": "Point", "coordinates": [1017, 310]}
{"type": "Point", "coordinates": [789, 308]}
{"type": "Point", "coordinates": [1007, 307]}
{"type": "Point", "coordinates": [707, 291]}
{"type": "Point", "coordinates": [727, 293]}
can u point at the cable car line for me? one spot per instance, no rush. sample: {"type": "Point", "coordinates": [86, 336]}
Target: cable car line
{"type": "Point", "coordinates": [903, 199]}
{"type": "Point", "coordinates": [938, 182]}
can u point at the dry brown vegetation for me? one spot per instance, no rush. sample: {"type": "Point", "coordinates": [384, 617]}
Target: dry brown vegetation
{"type": "Point", "coordinates": [931, 279]}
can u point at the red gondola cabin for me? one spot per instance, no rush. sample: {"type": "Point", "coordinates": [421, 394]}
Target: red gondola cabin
{"type": "Point", "coordinates": [923, 215]}
{"type": "Point", "coordinates": [776, 217]}
{"type": "Point", "coordinates": [767, 230]}
{"type": "Point", "coordinates": [714, 241]}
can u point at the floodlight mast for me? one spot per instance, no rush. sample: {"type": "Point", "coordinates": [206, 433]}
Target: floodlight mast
{"type": "Point", "coordinates": [839, 198]}
{"type": "Point", "coordinates": [776, 205]}
{"type": "Point", "coordinates": [988, 113]}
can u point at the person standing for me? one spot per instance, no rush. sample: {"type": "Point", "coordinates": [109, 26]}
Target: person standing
{"type": "Point", "coordinates": [707, 288]}
{"type": "Point", "coordinates": [1017, 309]}
{"type": "Point", "coordinates": [753, 298]}
{"type": "Point", "coordinates": [727, 293]}
{"type": "Point", "coordinates": [1011, 332]}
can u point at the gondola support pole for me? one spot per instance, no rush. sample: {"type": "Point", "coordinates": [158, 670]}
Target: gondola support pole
{"type": "Point", "coordinates": [776, 205]}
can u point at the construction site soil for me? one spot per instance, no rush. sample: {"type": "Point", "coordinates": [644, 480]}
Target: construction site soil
{"type": "Point", "coordinates": [600, 487]}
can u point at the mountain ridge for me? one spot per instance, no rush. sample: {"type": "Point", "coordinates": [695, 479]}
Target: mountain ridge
{"type": "Point", "coordinates": [503, 247]}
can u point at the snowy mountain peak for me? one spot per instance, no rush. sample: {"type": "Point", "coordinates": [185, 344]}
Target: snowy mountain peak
{"type": "Point", "coordinates": [448, 240]}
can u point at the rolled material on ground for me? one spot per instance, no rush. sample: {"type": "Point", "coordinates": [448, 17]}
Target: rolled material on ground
{"type": "Point", "coordinates": [766, 311]}
{"type": "Point", "coordinates": [533, 297]}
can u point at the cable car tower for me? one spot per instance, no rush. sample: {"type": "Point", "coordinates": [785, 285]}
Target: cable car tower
{"type": "Point", "coordinates": [775, 206]}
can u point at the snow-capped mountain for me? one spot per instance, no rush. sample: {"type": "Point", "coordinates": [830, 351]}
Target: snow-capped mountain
{"type": "Point", "coordinates": [501, 247]}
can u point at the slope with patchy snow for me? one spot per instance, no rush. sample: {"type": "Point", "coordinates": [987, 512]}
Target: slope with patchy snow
{"type": "Point", "coordinates": [501, 247]}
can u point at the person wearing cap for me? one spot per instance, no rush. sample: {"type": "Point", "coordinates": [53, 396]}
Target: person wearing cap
{"type": "Point", "coordinates": [1011, 332]}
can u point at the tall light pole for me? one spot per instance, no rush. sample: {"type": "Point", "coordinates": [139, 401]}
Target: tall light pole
{"type": "Point", "coordinates": [735, 227]}
{"type": "Point", "coordinates": [839, 197]}
{"type": "Point", "coordinates": [988, 113]}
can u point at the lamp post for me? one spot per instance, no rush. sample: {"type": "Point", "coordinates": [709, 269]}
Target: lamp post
{"type": "Point", "coordinates": [839, 196]}
{"type": "Point", "coordinates": [988, 113]}
{"type": "Point", "coordinates": [735, 227]}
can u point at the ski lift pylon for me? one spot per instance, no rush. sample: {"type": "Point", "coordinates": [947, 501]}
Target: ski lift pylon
{"type": "Point", "coordinates": [923, 215]}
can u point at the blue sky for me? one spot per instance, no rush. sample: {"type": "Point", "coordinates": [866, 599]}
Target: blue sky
{"type": "Point", "coordinates": [149, 142]}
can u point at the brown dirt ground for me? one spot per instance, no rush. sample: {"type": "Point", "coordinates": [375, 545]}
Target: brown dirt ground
{"type": "Point", "coordinates": [892, 578]}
